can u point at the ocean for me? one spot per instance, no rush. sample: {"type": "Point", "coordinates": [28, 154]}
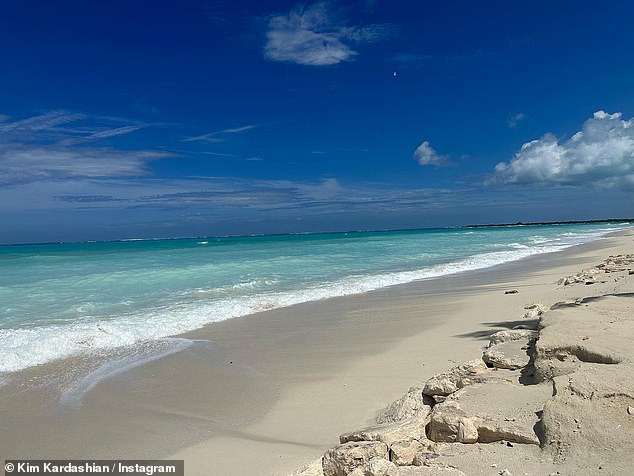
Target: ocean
{"type": "Point", "coordinates": [67, 299]}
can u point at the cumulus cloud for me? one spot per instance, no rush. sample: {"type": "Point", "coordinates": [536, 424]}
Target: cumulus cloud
{"type": "Point", "coordinates": [314, 36]}
{"type": "Point", "coordinates": [426, 155]}
{"type": "Point", "coordinates": [601, 154]}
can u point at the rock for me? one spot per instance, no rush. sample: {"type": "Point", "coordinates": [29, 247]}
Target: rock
{"type": "Point", "coordinates": [533, 313]}
{"type": "Point", "coordinates": [449, 423]}
{"type": "Point", "coordinates": [509, 355]}
{"type": "Point", "coordinates": [409, 405]}
{"type": "Point", "coordinates": [630, 410]}
{"type": "Point", "coordinates": [389, 433]}
{"type": "Point", "coordinates": [345, 458]}
{"type": "Point", "coordinates": [495, 410]}
{"type": "Point", "coordinates": [402, 453]}
{"type": "Point", "coordinates": [455, 378]}
{"type": "Point", "coordinates": [585, 420]}
{"type": "Point", "coordinates": [534, 310]}
{"type": "Point", "coordinates": [508, 349]}
{"type": "Point", "coordinates": [378, 467]}
{"type": "Point", "coordinates": [512, 335]}
{"type": "Point", "coordinates": [490, 432]}
{"type": "Point", "coordinates": [615, 264]}
{"type": "Point", "coordinates": [569, 338]}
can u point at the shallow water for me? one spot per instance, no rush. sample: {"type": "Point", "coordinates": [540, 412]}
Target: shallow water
{"type": "Point", "coordinates": [59, 300]}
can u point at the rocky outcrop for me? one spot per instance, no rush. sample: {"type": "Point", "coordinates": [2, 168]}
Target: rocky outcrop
{"type": "Point", "coordinates": [455, 378]}
{"type": "Point", "coordinates": [345, 458]}
{"type": "Point", "coordinates": [408, 406]}
{"type": "Point", "coordinates": [510, 349]}
{"type": "Point", "coordinates": [568, 338]}
{"type": "Point", "coordinates": [467, 417]}
{"type": "Point", "coordinates": [585, 350]}
{"type": "Point", "coordinates": [389, 433]}
{"type": "Point", "coordinates": [579, 405]}
{"type": "Point", "coordinates": [613, 264]}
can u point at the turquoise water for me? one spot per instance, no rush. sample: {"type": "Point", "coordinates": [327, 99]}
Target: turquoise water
{"type": "Point", "coordinates": [59, 300]}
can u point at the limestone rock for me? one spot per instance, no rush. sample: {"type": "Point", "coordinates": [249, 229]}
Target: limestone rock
{"type": "Point", "coordinates": [378, 467]}
{"type": "Point", "coordinates": [569, 338]}
{"type": "Point", "coordinates": [509, 355]}
{"type": "Point", "coordinates": [455, 378]}
{"type": "Point", "coordinates": [613, 264]}
{"type": "Point", "coordinates": [388, 433]}
{"type": "Point", "coordinates": [402, 453]}
{"type": "Point", "coordinates": [449, 423]}
{"type": "Point", "coordinates": [409, 405]}
{"type": "Point", "coordinates": [345, 458]}
{"type": "Point", "coordinates": [490, 431]}
{"type": "Point", "coordinates": [512, 335]}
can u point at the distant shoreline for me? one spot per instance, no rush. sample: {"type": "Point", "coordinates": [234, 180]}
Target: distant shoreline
{"type": "Point", "coordinates": [539, 223]}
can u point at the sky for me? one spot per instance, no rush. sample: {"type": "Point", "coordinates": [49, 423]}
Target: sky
{"type": "Point", "coordinates": [142, 119]}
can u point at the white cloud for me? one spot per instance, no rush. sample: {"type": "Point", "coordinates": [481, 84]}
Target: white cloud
{"type": "Point", "coordinates": [314, 36]}
{"type": "Point", "coordinates": [42, 122]}
{"type": "Point", "coordinates": [601, 154]}
{"type": "Point", "coordinates": [46, 147]}
{"type": "Point", "coordinates": [426, 155]}
{"type": "Point", "coordinates": [31, 164]}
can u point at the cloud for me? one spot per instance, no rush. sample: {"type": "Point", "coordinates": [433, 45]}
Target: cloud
{"type": "Point", "coordinates": [33, 164]}
{"type": "Point", "coordinates": [42, 122]}
{"type": "Point", "coordinates": [218, 136]}
{"type": "Point", "coordinates": [601, 154]}
{"type": "Point", "coordinates": [51, 146]}
{"type": "Point", "coordinates": [314, 36]}
{"type": "Point", "coordinates": [515, 119]}
{"type": "Point", "coordinates": [426, 155]}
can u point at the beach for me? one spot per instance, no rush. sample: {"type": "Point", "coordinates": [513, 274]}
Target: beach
{"type": "Point", "coordinates": [270, 392]}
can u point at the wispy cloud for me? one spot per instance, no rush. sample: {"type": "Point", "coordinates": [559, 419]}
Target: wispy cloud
{"type": "Point", "coordinates": [600, 154]}
{"type": "Point", "coordinates": [515, 119]}
{"type": "Point", "coordinates": [426, 155]}
{"type": "Point", "coordinates": [316, 36]}
{"type": "Point", "coordinates": [66, 128]}
{"type": "Point", "coordinates": [52, 146]}
{"type": "Point", "coordinates": [41, 122]}
{"type": "Point", "coordinates": [23, 164]}
{"type": "Point", "coordinates": [219, 136]}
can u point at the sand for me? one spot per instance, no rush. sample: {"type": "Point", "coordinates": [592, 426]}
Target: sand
{"type": "Point", "coordinates": [267, 393]}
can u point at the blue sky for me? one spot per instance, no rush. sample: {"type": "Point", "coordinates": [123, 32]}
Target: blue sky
{"type": "Point", "coordinates": [126, 119]}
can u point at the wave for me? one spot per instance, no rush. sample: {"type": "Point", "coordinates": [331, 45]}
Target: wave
{"type": "Point", "coordinates": [29, 346]}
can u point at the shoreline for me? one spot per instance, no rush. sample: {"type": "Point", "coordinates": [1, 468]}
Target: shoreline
{"type": "Point", "coordinates": [350, 355]}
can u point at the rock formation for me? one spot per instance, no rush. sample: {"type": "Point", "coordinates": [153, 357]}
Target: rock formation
{"type": "Point", "coordinates": [566, 387]}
